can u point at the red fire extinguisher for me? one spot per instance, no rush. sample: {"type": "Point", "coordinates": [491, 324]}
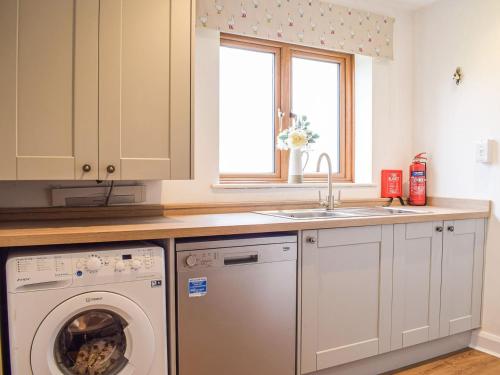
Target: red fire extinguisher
{"type": "Point", "coordinates": [418, 180]}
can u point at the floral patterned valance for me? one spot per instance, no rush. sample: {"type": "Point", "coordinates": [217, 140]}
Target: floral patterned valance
{"type": "Point", "coordinates": [306, 22]}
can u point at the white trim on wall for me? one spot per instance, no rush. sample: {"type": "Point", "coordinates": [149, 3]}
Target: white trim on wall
{"type": "Point", "coordinates": [486, 342]}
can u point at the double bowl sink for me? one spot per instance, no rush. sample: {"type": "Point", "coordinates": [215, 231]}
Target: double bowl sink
{"type": "Point", "coordinates": [341, 213]}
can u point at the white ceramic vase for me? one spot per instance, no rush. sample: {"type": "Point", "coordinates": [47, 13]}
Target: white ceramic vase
{"type": "Point", "coordinates": [296, 166]}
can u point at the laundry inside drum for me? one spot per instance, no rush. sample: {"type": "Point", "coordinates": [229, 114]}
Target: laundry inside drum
{"type": "Point", "coordinates": [92, 343]}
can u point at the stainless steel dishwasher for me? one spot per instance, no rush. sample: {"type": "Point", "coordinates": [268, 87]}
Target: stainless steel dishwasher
{"type": "Point", "coordinates": [236, 305]}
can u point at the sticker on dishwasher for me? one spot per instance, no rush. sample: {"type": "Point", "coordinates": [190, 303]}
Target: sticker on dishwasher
{"type": "Point", "coordinates": [197, 287]}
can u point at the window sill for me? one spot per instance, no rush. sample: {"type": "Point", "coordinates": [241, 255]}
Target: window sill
{"type": "Point", "coordinates": [305, 185]}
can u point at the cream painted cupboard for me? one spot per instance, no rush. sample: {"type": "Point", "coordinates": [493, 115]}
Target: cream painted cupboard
{"type": "Point", "coordinates": [438, 276]}
{"type": "Point", "coordinates": [418, 249]}
{"type": "Point", "coordinates": [370, 290]}
{"type": "Point", "coordinates": [346, 295]}
{"type": "Point", "coordinates": [95, 89]}
{"type": "Point", "coordinates": [462, 278]}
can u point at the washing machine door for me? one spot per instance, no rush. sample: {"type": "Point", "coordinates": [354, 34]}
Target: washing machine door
{"type": "Point", "coordinates": [96, 333]}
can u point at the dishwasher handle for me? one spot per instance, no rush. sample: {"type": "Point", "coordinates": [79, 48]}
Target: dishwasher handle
{"type": "Point", "coordinates": [244, 259]}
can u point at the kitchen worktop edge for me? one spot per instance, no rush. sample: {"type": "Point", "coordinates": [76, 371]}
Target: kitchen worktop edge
{"type": "Point", "coordinates": [32, 233]}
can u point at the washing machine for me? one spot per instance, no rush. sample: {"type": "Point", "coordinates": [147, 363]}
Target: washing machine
{"type": "Point", "coordinates": [88, 310]}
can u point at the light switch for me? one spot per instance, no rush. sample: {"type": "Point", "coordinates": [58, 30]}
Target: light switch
{"type": "Point", "coordinates": [484, 151]}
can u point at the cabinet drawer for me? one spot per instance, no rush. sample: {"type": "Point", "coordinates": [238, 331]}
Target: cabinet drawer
{"type": "Point", "coordinates": [419, 230]}
{"type": "Point", "coordinates": [349, 236]}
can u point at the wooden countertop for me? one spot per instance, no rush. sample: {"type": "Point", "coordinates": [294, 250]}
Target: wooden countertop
{"type": "Point", "coordinates": [28, 233]}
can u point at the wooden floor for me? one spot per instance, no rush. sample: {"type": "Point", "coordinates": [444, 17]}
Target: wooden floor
{"type": "Point", "coordinates": [468, 362]}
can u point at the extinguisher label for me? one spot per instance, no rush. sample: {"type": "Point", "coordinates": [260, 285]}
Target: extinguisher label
{"type": "Point", "coordinates": [418, 174]}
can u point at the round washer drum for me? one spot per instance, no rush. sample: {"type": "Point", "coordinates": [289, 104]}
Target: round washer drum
{"type": "Point", "coordinates": [114, 327]}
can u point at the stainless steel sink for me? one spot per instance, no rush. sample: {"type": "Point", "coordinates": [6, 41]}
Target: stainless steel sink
{"type": "Point", "coordinates": [383, 211]}
{"type": "Point", "coordinates": [306, 214]}
{"type": "Point", "coordinates": [322, 214]}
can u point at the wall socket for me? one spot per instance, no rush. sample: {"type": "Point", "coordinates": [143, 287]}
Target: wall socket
{"type": "Point", "coordinates": [96, 196]}
{"type": "Point", "coordinates": [484, 151]}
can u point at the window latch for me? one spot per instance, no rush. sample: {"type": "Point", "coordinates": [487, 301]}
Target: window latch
{"type": "Point", "coordinates": [280, 118]}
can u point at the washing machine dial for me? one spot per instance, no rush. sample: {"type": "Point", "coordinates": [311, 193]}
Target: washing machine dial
{"type": "Point", "coordinates": [135, 264]}
{"type": "Point", "coordinates": [191, 261]}
{"type": "Point", "coordinates": [93, 264]}
{"type": "Point", "coordinates": [120, 266]}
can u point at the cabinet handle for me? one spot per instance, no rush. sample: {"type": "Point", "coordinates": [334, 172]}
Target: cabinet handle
{"type": "Point", "coordinates": [86, 167]}
{"type": "Point", "coordinates": [451, 228]}
{"type": "Point", "coordinates": [311, 240]}
{"type": "Point", "coordinates": [439, 229]}
{"type": "Point", "coordinates": [110, 169]}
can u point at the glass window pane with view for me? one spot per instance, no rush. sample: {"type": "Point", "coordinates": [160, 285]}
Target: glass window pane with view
{"type": "Point", "coordinates": [316, 94]}
{"type": "Point", "coordinates": [246, 132]}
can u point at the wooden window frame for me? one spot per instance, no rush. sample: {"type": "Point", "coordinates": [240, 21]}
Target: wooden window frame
{"type": "Point", "coordinates": [283, 88]}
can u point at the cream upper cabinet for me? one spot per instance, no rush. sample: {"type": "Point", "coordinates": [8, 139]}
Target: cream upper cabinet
{"type": "Point", "coordinates": [346, 295]}
{"type": "Point", "coordinates": [95, 89]}
{"type": "Point", "coordinates": [48, 89]}
{"type": "Point", "coordinates": [144, 90]}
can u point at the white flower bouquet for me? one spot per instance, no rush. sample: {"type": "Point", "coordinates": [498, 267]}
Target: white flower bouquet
{"type": "Point", "coordinates": [298, 136]}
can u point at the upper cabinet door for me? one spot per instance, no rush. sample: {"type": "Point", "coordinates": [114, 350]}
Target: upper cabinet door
{"type": "Point", "coordinates": [48, 89]}
{"type": "Point", "coordinates": [346, 295]}
{"type": "Point", "coordinates": [461, 291]}
{"type": "Point", "coordinates": [417, 283]}
{"type": "Point", "coordinates": [144, 90]}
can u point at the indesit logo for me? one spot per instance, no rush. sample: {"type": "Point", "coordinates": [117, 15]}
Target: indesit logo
{"type": "Point", "coordinates": [23, 279]}
{"type": "Point", "coordinates": [93, 299]}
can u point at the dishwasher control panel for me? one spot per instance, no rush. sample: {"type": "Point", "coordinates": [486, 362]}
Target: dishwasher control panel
{"type": "Point", "coordinates": [201, 259]}
{"type": "Point", "coordinates": [203, 255]}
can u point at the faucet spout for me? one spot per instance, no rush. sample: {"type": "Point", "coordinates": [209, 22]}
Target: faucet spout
{"type": "Point", "coordinates": [330, 202]}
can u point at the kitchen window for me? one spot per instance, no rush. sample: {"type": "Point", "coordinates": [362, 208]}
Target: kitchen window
{"type": "Point", "coordinates": [263, 85]}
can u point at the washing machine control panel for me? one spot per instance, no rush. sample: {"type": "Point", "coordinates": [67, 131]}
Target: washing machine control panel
{"type": "Point", "coordinates": [91, 266]}
{"type": "Point", "coordinates": [116, 262]}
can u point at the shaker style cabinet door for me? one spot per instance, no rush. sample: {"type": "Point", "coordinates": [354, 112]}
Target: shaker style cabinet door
{"type": "Point", "coordinates": [144, 90]}
{"type": "Point", "coordinates": [416, 283]}
{"type": "Point", "coordinates": [346, 295]}
{"type": "Point", "coordinates": [462, 281]}
{"type": "Point", "coordinates": [48, 89]}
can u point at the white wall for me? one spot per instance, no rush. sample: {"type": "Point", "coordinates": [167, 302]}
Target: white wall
{"type": "Point", "coordinates": [449, 119]}
{"type": "Point", "coordinates": [391, 128]}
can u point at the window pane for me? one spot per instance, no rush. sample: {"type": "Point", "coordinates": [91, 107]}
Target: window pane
{"type": "Point", "coordinates": [316, 93]}
{"type": "Point", "coordinates": [246, 111]}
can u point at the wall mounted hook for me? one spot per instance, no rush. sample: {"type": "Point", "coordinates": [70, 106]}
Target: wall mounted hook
{"type": "Point", "coordinates": [458, 76]}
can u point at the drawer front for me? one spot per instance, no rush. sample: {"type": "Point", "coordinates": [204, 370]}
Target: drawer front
{"type": "Point", "coordinates": [349, 236]}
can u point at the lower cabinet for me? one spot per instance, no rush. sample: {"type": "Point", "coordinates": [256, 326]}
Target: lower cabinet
{"type": "Point", "coordinates": [462, 278]}
{"type": "Point", "coordinates": [416, 283]}
{"type": "Point", "coordinates": [373, 289]}
{"type": "Point", "coordinates": [346, 295]}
